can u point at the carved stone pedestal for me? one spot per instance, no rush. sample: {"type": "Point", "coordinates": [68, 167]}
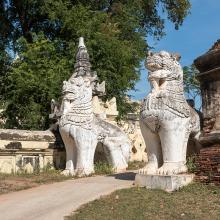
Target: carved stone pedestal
{"type": "Point", "coordinates": [168, 183]}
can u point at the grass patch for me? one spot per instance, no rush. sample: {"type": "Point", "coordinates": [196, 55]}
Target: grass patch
{"type": "Point", "coordinates": [20, 181]}
{"type": "Point", "coordinates": [103, 168]}
{"type": "Point", "coordinates": [135, 165]}
{"type": "Point", "coordinates": [195, 201]}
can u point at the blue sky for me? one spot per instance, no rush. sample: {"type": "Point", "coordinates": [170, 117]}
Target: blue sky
{"type": "Point", "coordinates": [198, 33]}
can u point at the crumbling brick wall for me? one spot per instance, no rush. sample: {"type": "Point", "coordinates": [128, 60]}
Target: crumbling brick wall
{"type": "Point", "coordinates": [208, 165]}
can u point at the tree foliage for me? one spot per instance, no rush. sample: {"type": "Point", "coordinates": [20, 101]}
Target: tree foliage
{"type": "Point", "coordinates": [191, 83]}
{"type": "Point", "coordinates": [35, 78]}
{"type": "Point", "coordinates": [5, 62]}
{"type": "Point", "coordinates": [44, 34]}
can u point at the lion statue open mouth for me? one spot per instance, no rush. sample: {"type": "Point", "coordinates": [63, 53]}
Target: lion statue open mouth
{"type": "Point", "coordinates": [166, 119]}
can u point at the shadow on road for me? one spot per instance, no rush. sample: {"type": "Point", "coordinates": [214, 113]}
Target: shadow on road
{"type": "Point", "coordinates": [125, 176]}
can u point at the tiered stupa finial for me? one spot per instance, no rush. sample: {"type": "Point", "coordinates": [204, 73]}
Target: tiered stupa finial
{"type": "Point", "coordinates": [82, 66]}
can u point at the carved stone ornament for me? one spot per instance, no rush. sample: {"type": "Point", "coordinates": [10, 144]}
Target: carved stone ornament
{"type": "Point", "coordinates": [166, 119]}
{"type": "Point", "coordinates": [80, 129]}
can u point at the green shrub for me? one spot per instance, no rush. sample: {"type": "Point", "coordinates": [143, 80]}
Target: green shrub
{"type": "Point", "coordinates": [190, 163]}
{"type": "Point", "coordinates": [103, 168]}
{"type": "Point", "coordinates": [135, 165]}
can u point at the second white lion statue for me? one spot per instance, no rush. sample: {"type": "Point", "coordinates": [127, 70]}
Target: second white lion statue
{"type": "Point", "coordinates": [166, 119]}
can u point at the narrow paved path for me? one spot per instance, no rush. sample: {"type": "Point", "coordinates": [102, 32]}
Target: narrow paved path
{"type": "Point", "coordinates": [54, 201]}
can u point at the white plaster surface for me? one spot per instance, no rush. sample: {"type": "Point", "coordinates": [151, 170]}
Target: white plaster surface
{"type": "Point", "coordinates": [54, 201]}
{"type": "Point", "coordinates": [27, 144]}
{"type": "Point", "coordinates": [7, 164]}
{"type": "Point", "coordinates": [27, 135]}
{"type": "Point", "coordinates": [108, 111]}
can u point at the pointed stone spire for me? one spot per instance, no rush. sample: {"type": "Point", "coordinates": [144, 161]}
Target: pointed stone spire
{"type": "Point", "coordinates": [81, 42]}
{"type": "Point", "coordinates": [82, 66]}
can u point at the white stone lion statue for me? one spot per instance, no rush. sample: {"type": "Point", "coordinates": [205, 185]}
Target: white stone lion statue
{"type": "Point", "coordinates": [81, 131]}
{"type": "Point", "coordinates": [166, 119]}
{"type": "Point", "coordinates": [80, 128]}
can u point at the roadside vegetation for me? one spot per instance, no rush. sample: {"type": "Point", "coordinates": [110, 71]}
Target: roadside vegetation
{"type": "Point", "coordinates": [102, 168]}
{"type": "Point", "coordinates": [135, 165]}
{"type": "Point", "coordinates": [15, 182]}
{"type": "Point", "coordinates": [190, 163]}
{"type": "Point", "coordinates": [23, 180]}
{"type": "Point", "coordinates": [196, 201]}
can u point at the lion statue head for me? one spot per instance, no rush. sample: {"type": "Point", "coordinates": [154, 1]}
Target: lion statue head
{"type": "Point", "coordinates": [163, 67]}
{"type": "Point", "coordinates": [77, 89]}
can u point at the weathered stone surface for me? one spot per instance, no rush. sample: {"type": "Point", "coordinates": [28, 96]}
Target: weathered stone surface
{"type": "Point", "coordinates": [25, 135]}
{"type": "Point", "coordinates": [108, 111]}
{"type": "Point", "coordinates": [210, 89]}
{"type": "Point", "coordinates": [209, 139]}
{"type": "Point", "coordinates": [165, 182]}
{"type": "Point", "coordinates": [13, 144]}
{"type": "Point", "coordinates": [7, 164]}
{"type": "Point", "coordinates": [14, 161]}
{"type": "Point", "coordinates": [81, 129]}
{"type": "Point", "coordinates": [29, 151]}
{"type": "Point", "coordinates": [209, 66]}
{"type": "Point", "coordinates": [166, 119]}
{"type": "Point", "coordinates": [131, 127]}
{"type": "Point", "coordinates": [209, 60]}
{"type": "Point", "coordinates": [208, 165]}
{"type": "Point", "coordinates": [208, 159]}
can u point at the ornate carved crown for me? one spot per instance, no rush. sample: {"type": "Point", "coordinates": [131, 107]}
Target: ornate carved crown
{"type": "Point", "coordinates": [83, 68]}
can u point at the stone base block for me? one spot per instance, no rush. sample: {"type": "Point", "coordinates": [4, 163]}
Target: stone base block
{"type": "Point", "coordinates": [168, 183]}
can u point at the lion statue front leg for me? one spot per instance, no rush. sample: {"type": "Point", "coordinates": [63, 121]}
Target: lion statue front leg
{"type": "Point", "coordinates": [70, 151]}
{"type": "Point", "coordinates": [154, 151]}
{"type": "Point", "coordinates": [174, 135]}
{"type": "Point", "coordinates": [86, 142]}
